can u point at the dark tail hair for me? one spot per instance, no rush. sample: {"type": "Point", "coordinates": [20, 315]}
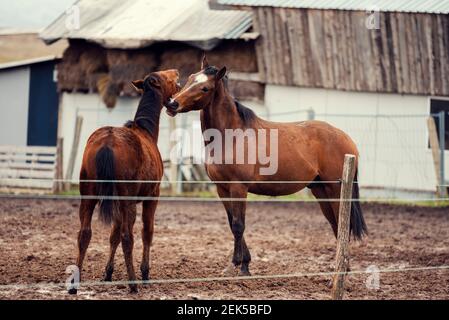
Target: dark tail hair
{"type": "Point", "coordinates": [104, 161]}
{"type": "Point", "coordinates": [358, 226]}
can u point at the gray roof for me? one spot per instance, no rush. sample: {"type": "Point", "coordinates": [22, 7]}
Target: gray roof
{"type": "Point", "coordinates": [424, 6]}
{"type": "Point", "coordinates": [132, 24]}
{"type": "Point", "coordinates": [27, 62]}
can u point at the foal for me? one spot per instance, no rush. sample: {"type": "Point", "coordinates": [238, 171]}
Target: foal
{"type": "Point", "coordinates": [126, 153]}
{"type": "Point", "coordinates": [311, 153]}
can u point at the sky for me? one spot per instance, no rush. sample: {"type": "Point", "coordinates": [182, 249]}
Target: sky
{"type": "Point", "coordinates": [30, 14]}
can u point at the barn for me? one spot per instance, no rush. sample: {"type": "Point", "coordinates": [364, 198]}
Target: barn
{"type": "Point", "coordinates": [29, 102]}
{"type": "Point", "coordinates": [120, 41]}
{"type": "Point", "coordinates": [377, 72]}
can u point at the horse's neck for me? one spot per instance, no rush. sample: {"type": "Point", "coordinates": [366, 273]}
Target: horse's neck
{"type": "Point", "coordinates": [221, 113]}
{"type": "Point", "coordinates": [148, 113]}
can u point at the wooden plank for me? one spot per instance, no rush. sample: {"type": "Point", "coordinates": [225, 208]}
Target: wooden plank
{"type": "Point", "coordinates": [15, 157]}
{"type": "Point", "coordinates": [344, 215]}
{"type": "Point", "coordinates": [435, 146]}
{"type": "Point", "coordinates": [286, 47]}
{"type": "Point", "coordinates": [17, 173]}
{"type": "Point", "coordinates": [385, 58]}
{"type": "Point", "coordinates": [328, 18]}
{"type": "Point", "coordinates": [418, 55]}
{"type": "Point", "coordinates": [38, 184]}
{"type": "Point", "coordinates": [245, 76]}
{"type": "Point", "coordinates": [411, 41]}
{"type": "Point", "coordinates": [257, 18]}
{"type": "Point", "coordinates": [58, 185]}
{"type": "Point", "coordinates": [28, 166]}
{"type": "Point", "coordinates": [430, 66]}
{"type": "Point", "coordinates": [27, 149]}
{"type": "Point", "coordinates": [173, 166]}
{"type": "Point", "coordinates": [75, 146]}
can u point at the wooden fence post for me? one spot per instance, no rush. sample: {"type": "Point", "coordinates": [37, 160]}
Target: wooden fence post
{"type": "Point", "coordinates": [173, 166]}
{"type": "Point", "coordinates": [435, 146]}
{"type": "Point", "coordinates": [57, 186]}
{"type": "Point", "coordinates": [344, 217]}
{"type": "Point", "coordinates": [73, 151]}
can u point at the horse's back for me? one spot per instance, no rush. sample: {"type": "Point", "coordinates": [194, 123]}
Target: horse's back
{"type": "Point", "coordinates": [328, 144]}
{"type": "Point", "coordinates": [131, 157]}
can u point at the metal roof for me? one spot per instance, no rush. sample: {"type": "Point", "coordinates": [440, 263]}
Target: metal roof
{"type": "Point", "coordinates": [27, 62]}
{"type": "Point", "coordinates": [422, 6]}
{"type": "Point", "coordinates": [131, 24]}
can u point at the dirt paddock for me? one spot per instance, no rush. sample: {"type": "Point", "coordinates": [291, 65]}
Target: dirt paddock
{"type": "Point", "coordinates": [38, 242]}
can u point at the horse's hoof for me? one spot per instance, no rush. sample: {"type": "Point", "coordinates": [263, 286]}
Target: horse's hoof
{"type": "Point", "coordinates": [330, 283]}
{"type": "Point", "coordinates": [244, 273]}
{"type": "Point", "coordinates": [72, 291]}
{"type": "Point", "coordinates": [107, 278]}
{"type": "Point", "coordinates": [145, 275]}
{"type": "Point", "coordinates": [229, 271]}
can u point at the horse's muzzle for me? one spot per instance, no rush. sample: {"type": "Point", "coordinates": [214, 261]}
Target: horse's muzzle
{"type": "Point", "coordinates": [172, 107]}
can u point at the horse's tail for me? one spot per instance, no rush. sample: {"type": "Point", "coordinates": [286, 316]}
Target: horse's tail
{"type": "Point", "coordinates": [358, 226]}
{"type": "Point", "coordinates": [104, 162]}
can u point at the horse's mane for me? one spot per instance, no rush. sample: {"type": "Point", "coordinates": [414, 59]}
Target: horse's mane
{"type": "Point", "coordinates": [148, 112]}
{"type": "Point", "coordinates": [246, 114]}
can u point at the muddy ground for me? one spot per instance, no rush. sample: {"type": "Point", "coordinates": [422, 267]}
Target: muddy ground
{"type": "Point", "coordinates": [193, 240]}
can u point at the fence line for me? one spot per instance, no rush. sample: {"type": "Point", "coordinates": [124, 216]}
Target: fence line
{"type": "Point", "coordinates": [231, 278]}
{"type": "Point", "coordinates": [75, 181]}
{"type": "Point", "coordinates": [205, 199]}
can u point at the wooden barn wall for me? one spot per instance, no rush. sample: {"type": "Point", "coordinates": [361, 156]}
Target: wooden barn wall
{"type": "Point", "coordinates": [88, 67]}
{"type": "Point", "coordinates": [333, 49]}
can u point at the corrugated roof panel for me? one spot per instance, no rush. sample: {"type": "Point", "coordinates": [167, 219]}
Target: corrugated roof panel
{"type": "Point", "coordinates": [27, 62]}
{"type": "Point", "coordinates": [424, 6]}
{"type": "Point", "coordinates": [138, 23]}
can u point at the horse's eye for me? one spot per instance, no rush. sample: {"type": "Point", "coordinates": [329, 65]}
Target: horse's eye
{"type": "Point", "coordinates": [204, 89]}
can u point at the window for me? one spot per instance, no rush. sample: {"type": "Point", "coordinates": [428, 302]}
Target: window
{"type": "Point", "coordinates": [436, 106]}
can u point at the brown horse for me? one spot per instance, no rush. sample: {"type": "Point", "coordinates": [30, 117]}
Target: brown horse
{"type": "Point", "coordinates": [126, 153]}
{"type": "Point", "coordinates": [311, 152]}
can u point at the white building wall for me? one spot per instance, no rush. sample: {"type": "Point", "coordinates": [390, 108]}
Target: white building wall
{"type": "Point", "coordinates": [96, 115]}
{"type": "Point", "coordinates": [394, 149]}
{"type": "Point", "coordinates": [14, 94]}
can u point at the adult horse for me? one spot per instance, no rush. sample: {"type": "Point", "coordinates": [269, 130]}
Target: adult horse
{"type": "Point", "coordinates": [311, 153]}
{"type": "Point", "coordinates": [120, 154]}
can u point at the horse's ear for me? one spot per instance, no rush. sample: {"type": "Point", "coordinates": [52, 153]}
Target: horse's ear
{"type": "Point", "coordinates": [137, 85]}
{"type": "Point", "coordinates": [204, 63]}
{"type": "Point", "coordinates": [220, 74]}
{"type": "Point", "coordinates": [154, 81]}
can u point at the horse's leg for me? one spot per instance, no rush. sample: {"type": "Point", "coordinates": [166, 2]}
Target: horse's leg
{"type": "Point", "coordinates": [127, 238]}
{"type": "Point", "coordinates": [149, 208]}
{"type": "Point", "coordinates": [246, 258]}
{"type": "Point", "coordinates": [85, 214]}
{"type": "Point", "coordinates": [333, 190]}
{"type": "Point", "coordinates": [238, 211]}
{"type": "Point", "coordinates": [320, 194]}
{"type": "Point", "coordinates": [114, 241]}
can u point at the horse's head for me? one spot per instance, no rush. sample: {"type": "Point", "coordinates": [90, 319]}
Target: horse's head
{"type": "Point", "coordinates": [166, 82]}
{"type": "Point", "coordinates": [198, 91]}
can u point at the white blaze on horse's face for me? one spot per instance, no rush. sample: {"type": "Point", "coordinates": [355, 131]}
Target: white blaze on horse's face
{"type": "Point", "coordinates": [200, 78]}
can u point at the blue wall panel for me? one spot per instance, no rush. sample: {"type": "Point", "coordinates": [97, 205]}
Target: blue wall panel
{"type": "Point", "coordinates": [43, 106]}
